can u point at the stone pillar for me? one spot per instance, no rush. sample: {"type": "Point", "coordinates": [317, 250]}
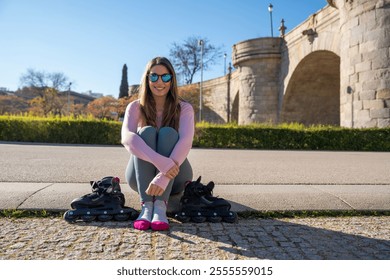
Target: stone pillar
{"type": "Point", "coordinates": [364, 62]}
{"type": "Point", "coordinates": [258, 64]}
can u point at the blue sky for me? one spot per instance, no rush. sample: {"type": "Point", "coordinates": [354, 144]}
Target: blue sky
{"type": "Point", "coordinates": [90, 40]}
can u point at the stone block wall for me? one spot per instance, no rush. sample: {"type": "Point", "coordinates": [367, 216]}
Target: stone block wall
{"type": "Point", "coordinates": [215, 97]}
{"type": "Point", "coordinates": [365, 62]}
{"type": "Point", "coordinates": [258, 66]}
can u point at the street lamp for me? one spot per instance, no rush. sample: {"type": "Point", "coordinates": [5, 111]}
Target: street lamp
{"type": "Point", "coordinates": [270, 7]}
{"type": "Point", "coordinates": [70, 84]}
{"type": "Point", "coordinates": [228, 91]}
{"type": "Point", "coordinates": [201, 44]}
{"type": "Point", "coordinates": [224, 65]}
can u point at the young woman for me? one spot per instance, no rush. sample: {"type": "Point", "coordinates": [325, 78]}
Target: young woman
{"type": "Point", "coordinates": [158, 131]}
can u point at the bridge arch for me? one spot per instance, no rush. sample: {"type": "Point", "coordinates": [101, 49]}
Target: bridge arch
{"type": "Point", "coordinates": [312, 95]}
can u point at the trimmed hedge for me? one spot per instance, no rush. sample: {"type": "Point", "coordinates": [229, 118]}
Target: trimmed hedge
{"type": "Point", "coordinates": [59, 130]}
{"type": "Point", "coordinates": [258, 136]}
{"type": "Point", "coordinates": [293, 138]}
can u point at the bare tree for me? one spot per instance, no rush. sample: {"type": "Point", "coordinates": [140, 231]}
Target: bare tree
{"type": "Point", "coordinates": [41, 80]}
{"type": "Point", "coordinates": [46, 87]}
{"type": "Point", "coordinates": [58, 81]}
{"type": "Point", "coordinates": [186, 57]}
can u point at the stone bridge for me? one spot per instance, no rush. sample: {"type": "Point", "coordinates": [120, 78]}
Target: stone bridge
{"type": "Point", "coordinates": [331, 69]}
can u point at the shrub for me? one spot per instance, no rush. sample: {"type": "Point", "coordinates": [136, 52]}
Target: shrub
{"type": "Point", "coordinates": [291, 137]}
{"type": "Point", "coordinates": [67, 130]}
{"type": "Point", "coordinates": [70, 130]}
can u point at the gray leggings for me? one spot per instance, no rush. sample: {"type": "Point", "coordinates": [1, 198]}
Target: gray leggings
{"type": "Point", "coordinates": [140, 173]}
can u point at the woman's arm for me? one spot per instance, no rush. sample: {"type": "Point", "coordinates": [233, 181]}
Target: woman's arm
{"type": "Point", "coordinates": [136, 145]}
{"type": "Point", "coordinates": [183, 145]}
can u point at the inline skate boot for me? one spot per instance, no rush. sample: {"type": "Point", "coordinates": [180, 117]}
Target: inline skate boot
{"type": "Point", "coordinates": [106, 202]}
{"type": "Point", "coordinates": [199, 204]}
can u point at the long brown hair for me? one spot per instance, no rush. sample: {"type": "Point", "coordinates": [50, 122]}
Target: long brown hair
{"type": "Point", "coordinates": [171, 114]}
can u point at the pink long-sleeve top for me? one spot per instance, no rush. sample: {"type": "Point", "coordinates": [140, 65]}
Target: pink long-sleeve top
{"type": "Point", "coordinates": [136, 145]}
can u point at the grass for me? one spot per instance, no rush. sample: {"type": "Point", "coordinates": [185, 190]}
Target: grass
{"type": "Point", "coordinates": [310, 214]}
{"type": "Point", "coordinates": [18, 214]}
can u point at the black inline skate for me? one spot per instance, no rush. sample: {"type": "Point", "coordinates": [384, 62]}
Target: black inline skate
{"type": "Point", "coordinates": [106, 202]}
{"type": "Point", "coordinates": [199, 205]}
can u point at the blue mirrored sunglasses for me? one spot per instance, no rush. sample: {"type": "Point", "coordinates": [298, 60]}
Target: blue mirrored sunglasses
{"type": "Point", "coordinates": [164, 77]}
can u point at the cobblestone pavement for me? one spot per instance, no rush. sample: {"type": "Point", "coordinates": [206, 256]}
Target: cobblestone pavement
{"type": "Point", "coordinates": [304, 238]}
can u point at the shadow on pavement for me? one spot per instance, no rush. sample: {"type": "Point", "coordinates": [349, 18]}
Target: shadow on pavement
{"type": "Point", "coordinates": [275, 239]}
{"type": "Point", "coordinates": [260, 239]}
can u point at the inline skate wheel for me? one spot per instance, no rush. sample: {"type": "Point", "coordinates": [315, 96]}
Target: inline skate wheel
{"type": "Point", "coordinates": [199, 218]}
{"type": "Point", "coordinates": [134, 215]}
{"type": "Point", "coordinates": [121, 217]}
{"type": "Point", "coordinates": [214, 218]}
{"type": "Point", "coordinates": [88, 218]}
{"type": "Point", "coordinates": [104, 218]}
{"type": "Point", "coordinates": [231, 218]}
{"type": "Point", "coordinates": [69, 217]}
{"type": "Point", "coordinates": [182, 217]}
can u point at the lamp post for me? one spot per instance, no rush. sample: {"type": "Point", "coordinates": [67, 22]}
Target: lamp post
{"type": "Point", "coordinates": [70, 84]}
{"type": "Point", "coordinates": [224, 64]}
{"type": "Point", "coordinates": [270, 7]}
{"type": "Point", "coordinates": [228, 92]}
{"type": "Point", "coordinates": [201, 44]}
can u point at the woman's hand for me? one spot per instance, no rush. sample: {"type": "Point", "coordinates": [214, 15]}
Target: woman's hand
{"type": "Point", "coordinates": [154, 190]}
{"type": "Point", "coordinates": [173, 172]}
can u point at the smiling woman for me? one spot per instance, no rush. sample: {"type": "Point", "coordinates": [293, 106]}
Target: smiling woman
{"type": "Point", "coordinates": [158, 130]}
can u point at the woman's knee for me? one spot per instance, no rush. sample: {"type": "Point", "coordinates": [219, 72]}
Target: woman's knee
{"type": "Point", "coordinates": [149, 135]}
{"type": "Point", "coordinates": [168, 134]}
{"type": "Point", "coordinates": [167, 139]}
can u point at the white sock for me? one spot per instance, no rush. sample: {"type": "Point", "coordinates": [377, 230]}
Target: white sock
{"type": "Point", "coordinates": [160, 211]}
{"type": "Point", "coordinates": [146, 211]}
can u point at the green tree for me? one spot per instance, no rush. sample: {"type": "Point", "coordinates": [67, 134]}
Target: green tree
{"type": "Point", "coordinates": [124, 87]}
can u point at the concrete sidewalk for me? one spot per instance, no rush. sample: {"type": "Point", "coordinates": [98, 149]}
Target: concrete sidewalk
{"type": "Point", "coordinates": [49, 177]}
{"type": "Point", "coordinates": [57, 197]}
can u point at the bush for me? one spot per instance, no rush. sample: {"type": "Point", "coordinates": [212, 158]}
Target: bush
{"type": "Point", "coordinates": [71, 130]}
{"type": "Point", "coordinates": [291, 137]}
{"type": "Point", "coordinates": [66, 130]}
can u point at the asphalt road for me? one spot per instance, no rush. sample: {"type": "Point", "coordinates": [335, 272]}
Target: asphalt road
{"type": "Point", "coordinates": [27, 162]}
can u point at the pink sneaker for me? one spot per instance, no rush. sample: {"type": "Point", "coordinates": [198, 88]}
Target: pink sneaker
{"type": "Point", "coordinates": [141, 224]}
{"type": "Point", "coordinates": [159, 226]}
